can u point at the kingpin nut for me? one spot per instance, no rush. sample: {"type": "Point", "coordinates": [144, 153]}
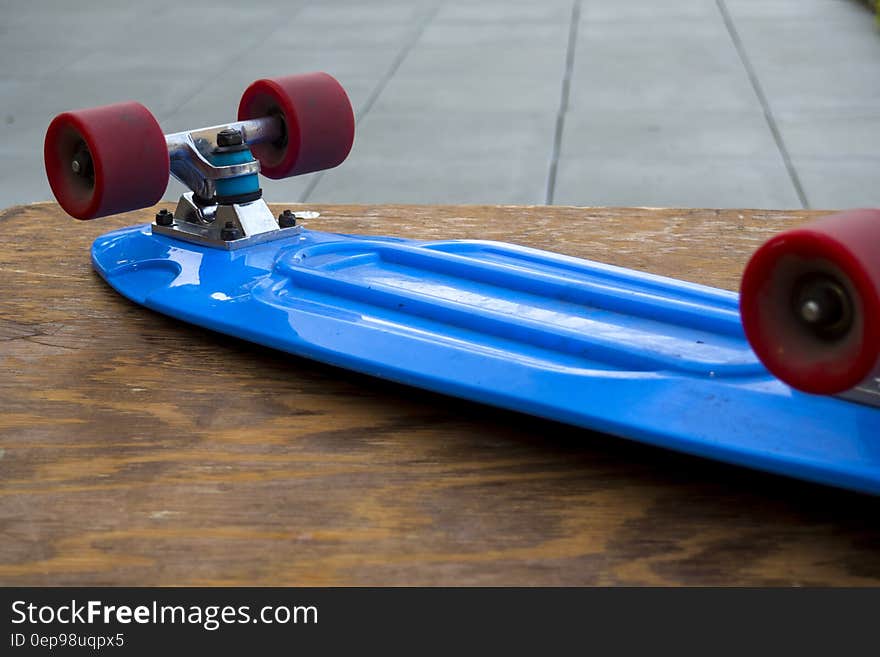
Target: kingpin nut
{"type": "Point", "coordinates": [164, 218]}
{"type": "Point", "coordinates": [229, 137]}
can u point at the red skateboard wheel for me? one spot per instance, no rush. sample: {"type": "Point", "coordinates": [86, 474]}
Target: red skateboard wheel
{"type": "Point", "coordinates": [810, 303]}
{"type": "Point", "coordinates": [318, 123]}
{"type": "Point", "coordinates": [106, 160]}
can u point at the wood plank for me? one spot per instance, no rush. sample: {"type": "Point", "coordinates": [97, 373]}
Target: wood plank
{"type": "Point", "coordinates": [138, 450]}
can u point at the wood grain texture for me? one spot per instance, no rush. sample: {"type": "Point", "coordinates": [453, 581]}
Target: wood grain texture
{"type": "Point", "coordinates": [139, 450]}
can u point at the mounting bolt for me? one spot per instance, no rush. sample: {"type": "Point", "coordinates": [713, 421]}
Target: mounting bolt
{"type": "Point", "coordinates": [230, 232]}
{"type": "Point", "coordinates": [164, 218]}
{"type": "Point", "coordinates": [287, 219]}
{"type": "Point", "coordinates": [229, 137]}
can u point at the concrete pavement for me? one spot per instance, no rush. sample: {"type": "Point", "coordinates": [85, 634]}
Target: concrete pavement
{"type": "Point", "coordinates": [714, 103]}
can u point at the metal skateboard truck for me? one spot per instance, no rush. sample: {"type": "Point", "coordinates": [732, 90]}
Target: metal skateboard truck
{"type": "Point", "coordinates": [784, 377]}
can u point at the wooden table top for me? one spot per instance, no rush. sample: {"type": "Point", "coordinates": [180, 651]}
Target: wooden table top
{"type": "Point", "coordinates": [139, 450]}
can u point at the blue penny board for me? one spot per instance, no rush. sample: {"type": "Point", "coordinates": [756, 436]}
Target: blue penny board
{"type": "Point", "coordinates": [649, 358]}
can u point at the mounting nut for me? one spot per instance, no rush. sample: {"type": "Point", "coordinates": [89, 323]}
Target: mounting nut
{"type": "Point", "coordinates": [287, 219]}
{"type": "Point", "coordinates": [164, 218]}
{"type": "Point", "coordinates": [230, 232]}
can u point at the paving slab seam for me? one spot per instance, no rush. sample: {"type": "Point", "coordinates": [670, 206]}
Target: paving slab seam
{"type": "Point", "coordinates": [563, 100]}
{"type": "Point", "coordinates": [383, 82]}
{"type": "Point", "coordinates": [765, 105]}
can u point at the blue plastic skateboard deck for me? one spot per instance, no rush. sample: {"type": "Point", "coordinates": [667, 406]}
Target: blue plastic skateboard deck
{"type": "Point", "coordinates": [627, 353]}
